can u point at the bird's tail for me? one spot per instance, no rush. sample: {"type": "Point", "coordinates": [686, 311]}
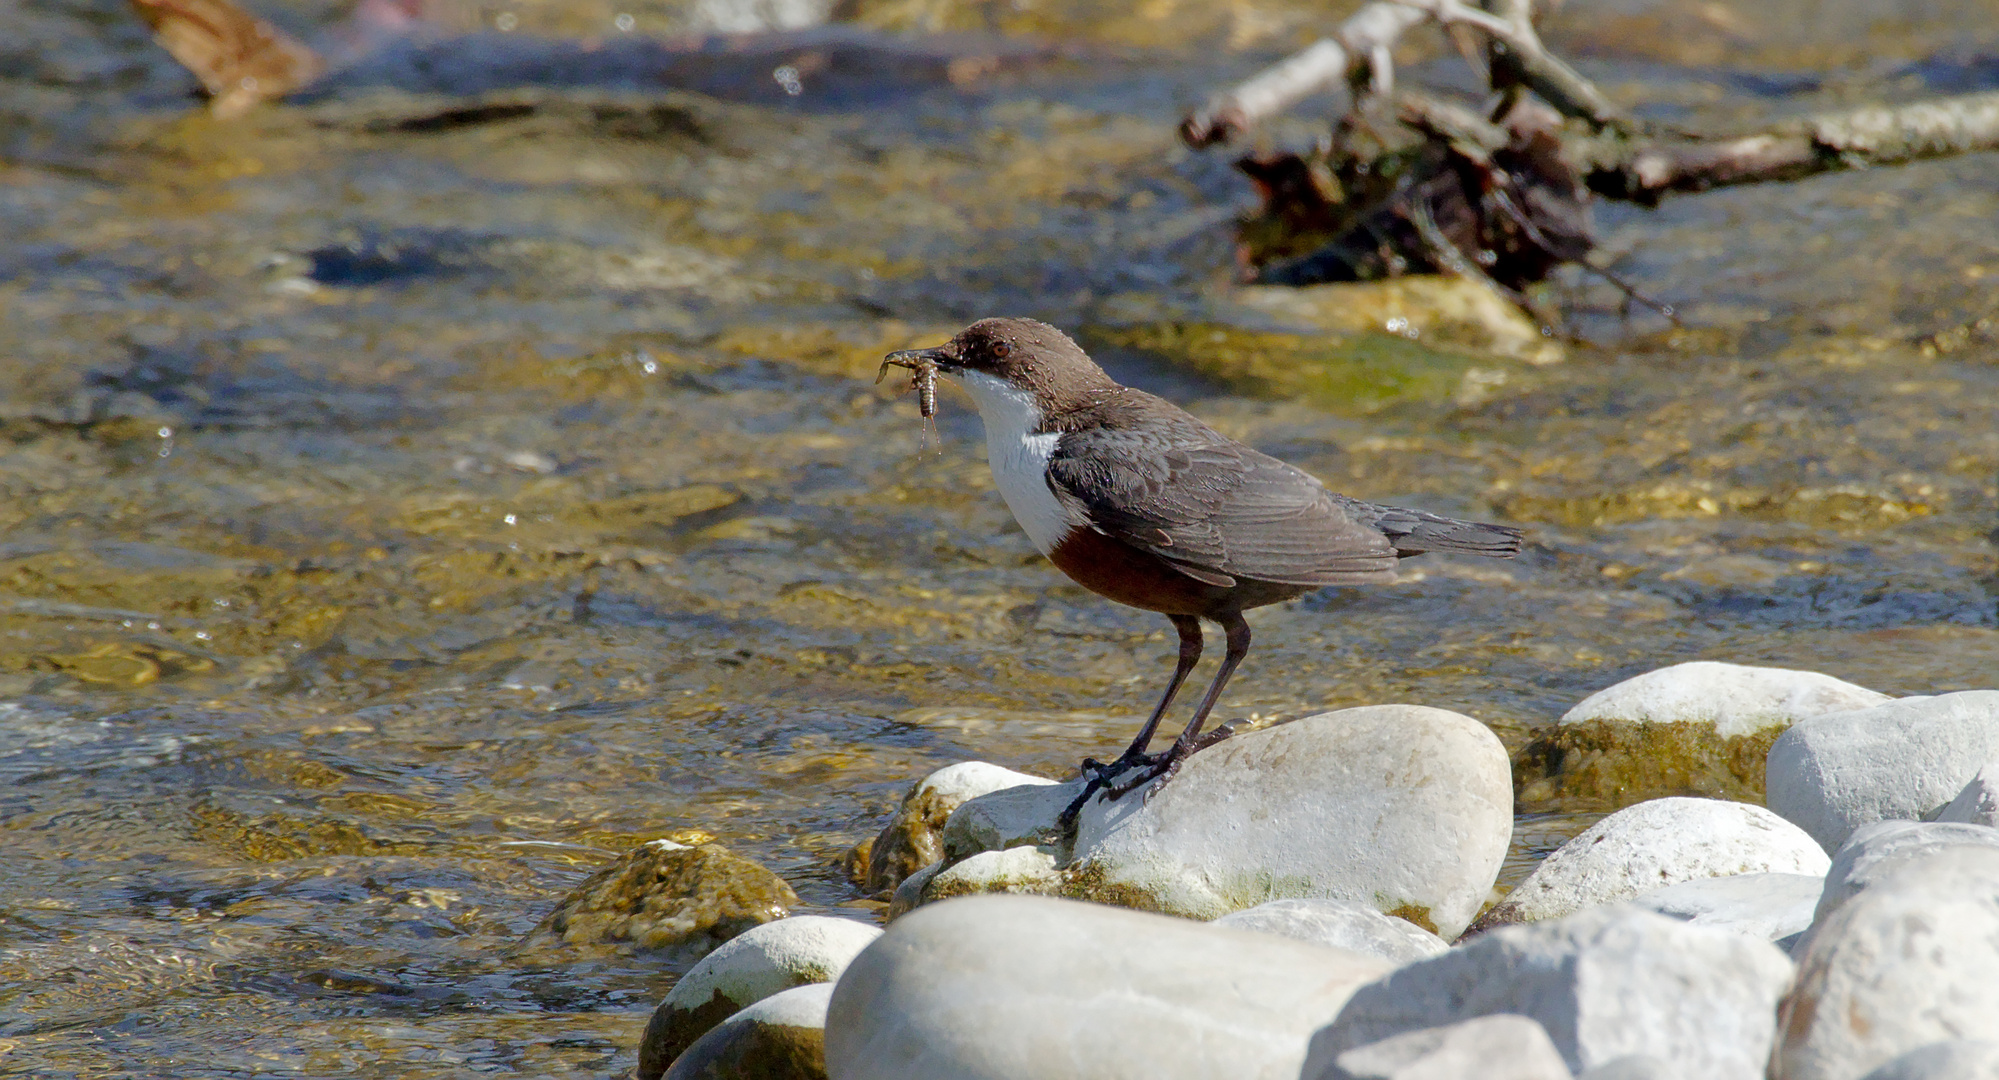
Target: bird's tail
{"type": "Point", "coordinates": [1414, 532]}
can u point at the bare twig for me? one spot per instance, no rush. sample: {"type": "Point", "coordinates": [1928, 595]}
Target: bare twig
{"type": "Point", "coordinates": [1365, 40]}
{"type": "Point", "coordinates": [1329, 63]}
{"type": "Point", "coordinates": [1873, 135]}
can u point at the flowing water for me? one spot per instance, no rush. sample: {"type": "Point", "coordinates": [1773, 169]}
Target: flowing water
{"type": "Point", "coordinates": [418, 494]}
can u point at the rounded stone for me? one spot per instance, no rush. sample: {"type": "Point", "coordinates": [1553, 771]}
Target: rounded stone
{"type": "Point", "coordinates": [1498, 1047]}
{"type": "Point", "coordinates": [1773, 907]}
{"type": "Point", "coordinates": [1605, 983]}
{"type": "Point", "coordinates": [1906, 963]}
{"type": "Point", "coordinates": [1404, 808]}
{"type": "Point", "coordinates": [1340, 924]}
{"type": "Point", "coordinates": [1905, 760]}
{"type": "Point", "coordinates": [762, 961]}
{"type": "Point", "coordinates": [668, 896]}
{"type": "Point", "coordinates": [1654, 844]}
{"type": "Point", "coordinates": [913, 837]}
{"type": "Point", "coordinates": [1700, 728]}
{"type": "Point", "coordinates": [1013, 987]}
{"type": "Point", "coordinates": [1957, 1059]}
{"type": "Point", "coordinates": [1876, 852]}
{"type": "Point", "coordinates": [782, 1037]}
{"type": "Point", "coordinates": [1978, 803]}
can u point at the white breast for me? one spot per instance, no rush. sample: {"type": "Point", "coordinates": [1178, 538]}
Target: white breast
{"type": "Point", "coordinates": [1019, 457]}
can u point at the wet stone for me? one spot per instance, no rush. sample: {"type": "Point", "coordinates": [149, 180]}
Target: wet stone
{"type": "Point", "coordinates": [913, 837]}
{"type": "Point", "coordinates": [761, 962]}
{"type": "Point", "coordinates": [1700, 728]}
{"type": "Point", "coordinates": [782, 1037]}
{"type": "Point", "coordinates": [667, 896]}
{"type": "Point", "coordinates": [1658, 843]}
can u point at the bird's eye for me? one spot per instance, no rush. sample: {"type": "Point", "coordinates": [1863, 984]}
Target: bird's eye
{"type": "Point", "coordinates": [1002, 350]}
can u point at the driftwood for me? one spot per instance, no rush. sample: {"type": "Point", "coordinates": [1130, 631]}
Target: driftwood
{"type": "Point", "coordinates": [1412, 183]}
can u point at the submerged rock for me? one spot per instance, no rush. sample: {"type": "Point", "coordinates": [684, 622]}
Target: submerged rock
{"type": "Point", "coordinates": [1906, 963]}
{"type": "Point", "coordinates": [1905, 760]}
{"type": "Point", "coordinates": [669, 896]}
{"type": "Point", "coordinates": [1499, 1047]}
{"type": "Point", "coordinates": [1773, 907]}
{"type": "Point", "coordinates": [782, 1037]}
{"type": "Point", "coordinates": [1658, 843]}
{"type": "Point", "coordinates": [1604, 983]}
{"type": "Point", "coordinates": [1405, 808]}
{"type": "Point", "coordinates": [1700, 728]}
{"type": "Point", "coordinates": [762, 961]}
{"type": "Point", "coordinates": [1010, 987]}
{"type": "Point", "coordinates": [912, 839]}
{"type": "Point", "coordinates": [1341, 924]}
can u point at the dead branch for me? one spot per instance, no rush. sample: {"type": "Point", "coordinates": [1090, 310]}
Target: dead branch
{"type": "Point", "coordinates": [1361, 46]}
{"type": "Point", "coordinates": [1643, 171]}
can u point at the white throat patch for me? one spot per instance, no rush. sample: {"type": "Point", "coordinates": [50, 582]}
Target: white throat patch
{"type": "Point", "coordinates": [1019, 457]}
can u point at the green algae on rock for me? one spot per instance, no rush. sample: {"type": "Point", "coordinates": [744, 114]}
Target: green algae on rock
{"type": "Point", "coordinates": [667, 896]}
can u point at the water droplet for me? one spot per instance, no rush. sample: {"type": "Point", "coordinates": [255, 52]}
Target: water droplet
{"type": "Point", "coordinates": [624, 23]}
{"type": "Point", "coordinates": [166, 433]}
{"type": "Point", "coordinates": [506, 21]}
{"type": "Point", "coordinates": [512, 520]}
{"type": "Point", "coordinates": [787, 77]}
{"type": "Point", "coordinates": [201, 635]}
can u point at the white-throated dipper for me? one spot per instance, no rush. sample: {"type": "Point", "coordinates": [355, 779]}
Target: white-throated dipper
{"type": "Point", "coordinates": [1139, 502]}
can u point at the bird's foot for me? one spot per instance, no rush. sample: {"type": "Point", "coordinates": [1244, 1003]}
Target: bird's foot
{"type": "Point", "coordinates": [1154, 770]}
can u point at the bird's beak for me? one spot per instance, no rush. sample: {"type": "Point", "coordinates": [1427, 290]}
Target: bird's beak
{"type": "Point", "coordinates": [940, 358]}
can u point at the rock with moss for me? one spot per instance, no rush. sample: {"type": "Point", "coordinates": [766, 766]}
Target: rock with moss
{"type": "Point", "coordinates": [782, 1037]}
{"type": "Point", "coordinates": [1700, 728]}
{"type": "Point", "coordinates": [1654, 844]}
{"type": "Point", "coordinates": [1404, 809]}
{"type": "Point", "coordinates": [666, 896]}
{"type": "Point", "coordinates": [762, 961]}
{"type": "Point", "coordinates": [913, 838]}
{"type": "Point", "coordinates": [1904, 761]}
{"type": "Point", "coordinates": [1018, 987]}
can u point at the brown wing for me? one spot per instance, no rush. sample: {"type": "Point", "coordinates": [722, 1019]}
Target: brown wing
{"type": "Point", "coordinates": [1214, 507]}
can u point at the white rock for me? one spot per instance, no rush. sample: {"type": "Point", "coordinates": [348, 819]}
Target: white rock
{"type": "Point", "coordinates": [912, 839]}
{"type": "Point", "coordinates": [1657, 843]}
{"type": "Point", "coordinates": [1978, 803]}
{"type": "Point", "coordinates": [1737, 700]}
{"type": "Point", "coordinates": [1767, 906]}
{"type": "Point", "coordinates": [1018, 987]}
{"type": "Point", "coordinates": [1028, 870]}
{"type": "Point", "coordinates": [1904, 760]}
{"type": "Point", "coordinates": [1633, 1067]}
{"type": "Point", "coordinates": [1911, 961]}
{"type": "Point", "coordinates": [781, 1037]}
{"type": "Point", "coordinates": [1402, 807]}
{"type": "Point", "coordinates": [1341, 924]}
{"type": "Point", "coordinates": [1024, 814]}
{"type": "Point", "coordinates": [756, 964]}
{"type": "Point", "coordinates": [1958, 1059]}
{"type": "Point", "coordinates": [1499, 1047]}
{"type": "Point", "coordinates": [1875, 853]}
{"type": "Point", "coordinates": [1605, 983]}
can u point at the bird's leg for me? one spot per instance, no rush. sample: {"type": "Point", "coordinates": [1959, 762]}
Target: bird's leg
{"type": "Point", "coordinates": [1100, 773]}
{"type": "Point", "coordinates": [1190, 738]}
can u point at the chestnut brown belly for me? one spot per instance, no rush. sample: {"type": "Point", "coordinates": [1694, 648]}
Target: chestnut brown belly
{"type": "Point", "coordinates": [1114, 569]}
